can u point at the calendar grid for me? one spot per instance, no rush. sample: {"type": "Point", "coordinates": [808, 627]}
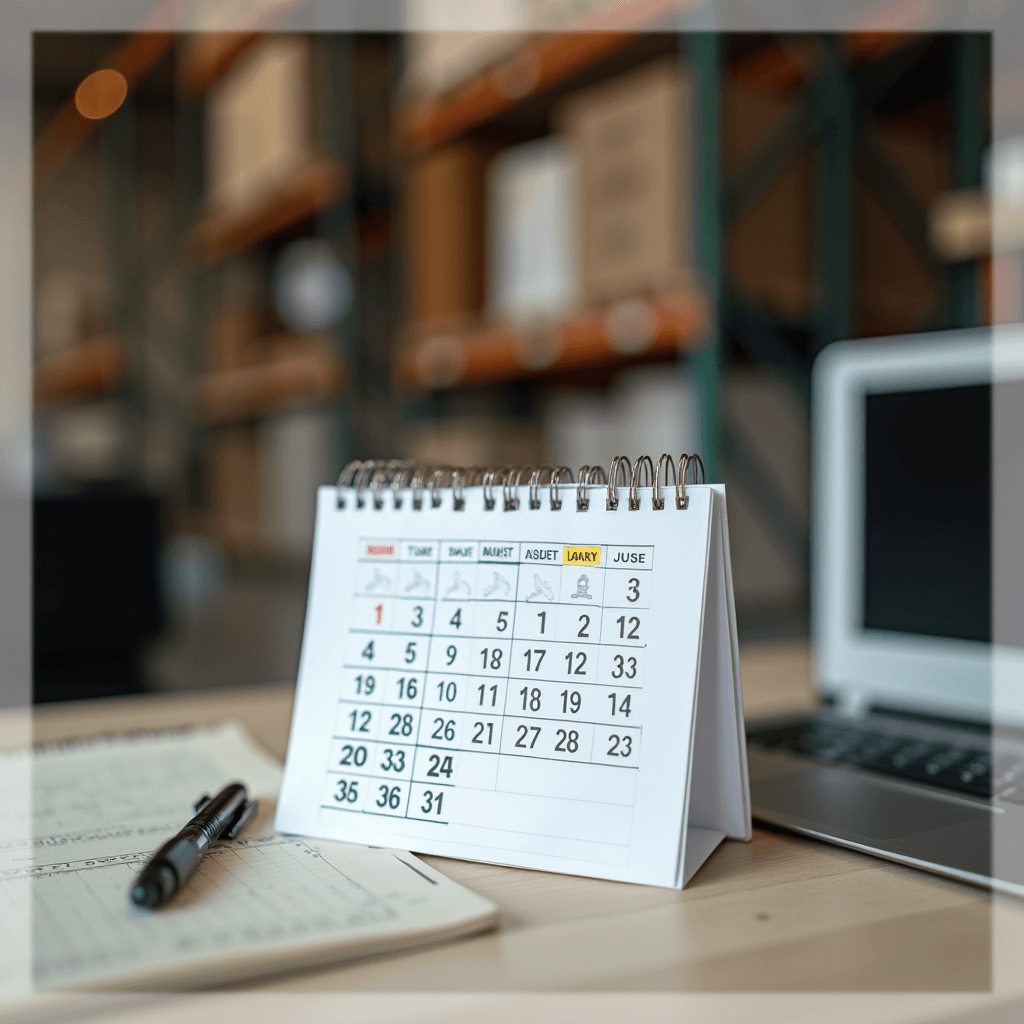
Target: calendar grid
{"type": "Point", "coordinates": [450, 691]}
{"type": "Point", "coordinates": [508, 677]}
{"type": "Point", "coordinates": [488, 753]}
{"type": "Point", "coordinates": [419, 722]}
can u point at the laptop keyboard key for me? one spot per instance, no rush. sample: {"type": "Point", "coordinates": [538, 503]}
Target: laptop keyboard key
{"type": "Point", "coordinates": [949, 766]}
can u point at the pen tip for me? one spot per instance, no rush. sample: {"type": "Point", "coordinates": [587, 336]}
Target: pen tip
{"type": "Point", "coordinates": [154, 884]}
{"type": "Point", "coordinates": [144, 895]}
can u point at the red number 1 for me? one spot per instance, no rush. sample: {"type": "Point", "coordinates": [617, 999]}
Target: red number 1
{"type": "Point", "coordinates": [380, 611]}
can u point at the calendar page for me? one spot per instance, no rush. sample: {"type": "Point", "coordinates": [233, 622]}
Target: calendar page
{"type": "Point", "coordinates": [515, 686]}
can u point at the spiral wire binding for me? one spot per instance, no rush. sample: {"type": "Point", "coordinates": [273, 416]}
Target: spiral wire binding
{"type": "Point", "coordinates": [376, 476]}
{"type": "Point", "coordinates": [588, 475]}
{"type": "Point", "coordinates": [619, 467]}
{"type": "Point", "coordinates": [634, 481]}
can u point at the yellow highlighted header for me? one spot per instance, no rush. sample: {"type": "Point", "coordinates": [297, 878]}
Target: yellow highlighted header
{"type": "Point", "coordinates": [581, 556]}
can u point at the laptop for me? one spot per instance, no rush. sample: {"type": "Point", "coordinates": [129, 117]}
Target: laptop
{"type": "Point", "coordinates": [916, 751]}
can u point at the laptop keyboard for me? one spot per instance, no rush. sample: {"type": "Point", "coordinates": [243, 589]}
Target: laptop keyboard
{"type": "Point", "coordinates": [957, 767]}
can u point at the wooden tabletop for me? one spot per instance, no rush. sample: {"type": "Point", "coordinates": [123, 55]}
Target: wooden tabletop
{"type": "Point", "coordinates": [780, 914]}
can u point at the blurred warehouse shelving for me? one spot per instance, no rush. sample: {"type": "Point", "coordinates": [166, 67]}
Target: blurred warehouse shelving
{"type": "Point", "coordinates": [164, 369]}
{"type": "Point", "coordinates": [798, 186]}
{"type": "Point", "coordinates": [206, 56]}
{"type": "Point", "coordinates": [813, 163]}
{"type": "Point", "coordinates": [540, 64]}
{"type": "Point", "coordinates": [307, 190]}
{"type": "Point", "coordinates": [626, 332]}
{"type": "Point", "coordinates": [95, 366]}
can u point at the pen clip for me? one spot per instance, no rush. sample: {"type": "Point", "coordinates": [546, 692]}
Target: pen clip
{"type": "Point", "coordinates": [242, 820]}
{"type": "Point", "coordinates": [201, 803]}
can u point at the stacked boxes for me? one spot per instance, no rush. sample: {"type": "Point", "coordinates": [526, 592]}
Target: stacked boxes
{"type": "Point", "coordinates": [445, 235]}
{"type": "Point", "coordinates": [633, 144]}
{"type": "Point", "coordinates": [259, 121]}
{"type": "Point", "coordinates": [533, 217]}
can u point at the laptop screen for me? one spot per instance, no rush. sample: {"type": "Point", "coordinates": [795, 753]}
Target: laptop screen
{"type": "Point", "coordinates": [927, 522]}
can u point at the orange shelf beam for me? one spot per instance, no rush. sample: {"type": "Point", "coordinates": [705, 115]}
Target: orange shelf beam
{"type": "Point", "coordinates": [539, 64]}
{"type": "Point", "coordinates": [546, 60]}
{"type": "Point", "coordinates": [617, 336]}
{"type": "Point", "coordinates": [314, 187]}
{"type": "Point", "coordinates": [92, 368]}
{"type": "Point", "coordinates": [305, 371]}
{"type": "Point", "coordinates": [206, 56]}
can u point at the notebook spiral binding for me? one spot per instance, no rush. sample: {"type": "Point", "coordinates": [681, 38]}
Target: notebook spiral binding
{"type": "Point", "coordinates": [398, 475]}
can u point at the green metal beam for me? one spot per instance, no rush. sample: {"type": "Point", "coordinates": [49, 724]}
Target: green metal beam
{"type": "Point", "coordinates": [118, 145]}
{"type": "Point", "coordinates": [120, 207]}
{"type": "Point", "coordinates": [198, 286]}
{"type": "Point", "coordinates": [768, 161]}
{"type": "Point", "coordinates": [336, 135]}
{"type": "Point", "coordinates": [702, 50]}
{"type": "Point", "coordinates": [834, 239]}
{"type": "Point", "coordinates": [784, 522]}
{"type": "Point", "coordinates": [970, 137]}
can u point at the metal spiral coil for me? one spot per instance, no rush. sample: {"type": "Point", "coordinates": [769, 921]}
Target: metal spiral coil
{"type": "Point", "coordinates": [401, 476]}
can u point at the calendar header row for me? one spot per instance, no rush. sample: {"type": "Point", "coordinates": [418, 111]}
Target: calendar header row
{"type": "Point", "coordinates": [634, 556]}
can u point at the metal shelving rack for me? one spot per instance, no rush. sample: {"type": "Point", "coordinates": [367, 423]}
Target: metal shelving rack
{"type": "Point", "coordinates": [702, 53]}
{"type": "Point", "coordinates": [832, 113]}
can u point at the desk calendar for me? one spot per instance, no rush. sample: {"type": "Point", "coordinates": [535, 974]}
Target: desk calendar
{"type": "Point", "coordinates": [541, 674]}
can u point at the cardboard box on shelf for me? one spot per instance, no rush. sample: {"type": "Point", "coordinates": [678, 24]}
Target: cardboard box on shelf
{"type": "Point", "coordinates": [439, 62]}
{"type": "Point", "coordinates": [634, 152]}
{"type": "Point", "coordinates": [259, 121]}
{"type": "Point", "coordinates": [533, 272]}
{"type": "Point", "coordinates": [444, 219]}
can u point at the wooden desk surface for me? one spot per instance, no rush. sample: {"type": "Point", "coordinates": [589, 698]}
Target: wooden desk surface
{"type": "Point", "coordinates": [781, 914]}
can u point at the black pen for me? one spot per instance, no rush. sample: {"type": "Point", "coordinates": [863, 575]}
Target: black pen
{"type": "Point", "coordinates": [220, 817]}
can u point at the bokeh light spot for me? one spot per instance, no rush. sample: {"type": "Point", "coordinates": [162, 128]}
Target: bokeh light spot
{"type": "Point", "coordinates": [101, 94]}
{"type": "Point", "coordinates": [313, 289]}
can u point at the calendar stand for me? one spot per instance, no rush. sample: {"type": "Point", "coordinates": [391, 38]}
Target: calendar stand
{"type": "Point", "coordinates": [556, 687]}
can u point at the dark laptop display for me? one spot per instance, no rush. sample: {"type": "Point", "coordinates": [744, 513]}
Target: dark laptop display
{"type": "Point", "coordinates": [928, 512]}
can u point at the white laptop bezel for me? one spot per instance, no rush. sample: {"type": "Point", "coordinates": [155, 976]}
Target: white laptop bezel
{"type": "Point", "coordinates": [859, 667]}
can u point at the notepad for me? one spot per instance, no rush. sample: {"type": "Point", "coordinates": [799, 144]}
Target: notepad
{"type": "Point", "coordinates": [258, 904]}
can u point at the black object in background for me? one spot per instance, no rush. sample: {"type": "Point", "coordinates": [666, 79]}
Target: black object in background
{"type": "Point", "coordinates": [96, 593]}
{"type": "Point", "coordinates": [928, 512]}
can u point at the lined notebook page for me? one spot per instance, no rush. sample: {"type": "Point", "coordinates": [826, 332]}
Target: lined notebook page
{"type": "Point", "coordinates": [258, 903]}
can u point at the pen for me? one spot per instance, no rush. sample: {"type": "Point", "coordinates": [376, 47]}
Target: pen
{"type": "Point", "coordinates": [220, 817]}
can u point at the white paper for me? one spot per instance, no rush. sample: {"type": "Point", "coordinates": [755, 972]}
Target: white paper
{"type": "Point", "coordinates": [100, 809]}
{"type": "Point", "coordinates": [463, 681]}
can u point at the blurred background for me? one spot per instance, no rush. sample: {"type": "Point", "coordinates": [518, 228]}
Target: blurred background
{"type": "Point", "coordinates": [257, 256]}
